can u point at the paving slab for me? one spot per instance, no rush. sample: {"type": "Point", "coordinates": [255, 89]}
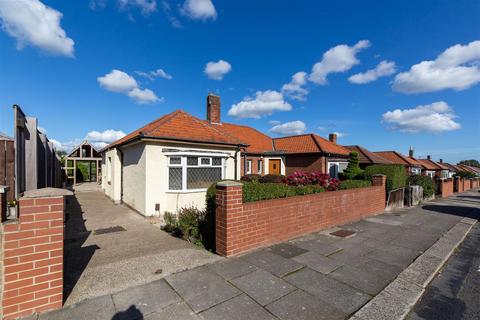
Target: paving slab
{"type": "Point", "coordinates": [381, 269]}
{"type": "Point", "coordinates": [239, 308]}
{"type": "Point", "coordinates": [342, 297]}
{"type": "Point", "coordinates": [178, 311]}
{"type": "Point", "coordinates": [360, 278]}
{"type": "Point", "coordinates": [395, 255]}
{"type": "Point", "coordinates": [273, 263]}
{"type": "Point", "coordinates": [147, 299]}
{"type": "Point", "coordinates": [318, 247]}
{"type": "Point", "coordinates": [100, 308]}
{"type": "Point", "coordinates": [201, 288]}
{"type": "Point", "coordinates": [286, 250]}
{"type": "Point", "coordinates": [318, 262]}
{"type": "Point", "coordinates": [262, 286]}
{"type": "Point", "coordinates": [231, 268]}
{"type": "Point", "coordinates": [300, 305]}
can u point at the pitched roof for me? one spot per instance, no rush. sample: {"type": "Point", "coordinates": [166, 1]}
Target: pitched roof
{"type": "Point", "coordinates": [470, 169]}
{"type": "Point", "coordinates": [451, 167]}
{"type": "Point", "coordinates": [442, 165]}
{"type": "Point", "coordinates": [398, 158]}
{"type": "Point", "coordinates": [308, 143]}
{"type": "Point", "coordinates": [257, 141]}
{"type": "Point", "coordinates": [4, 136]}
{"type": "Point", "coordinates": [429, 164]}
{"type": "Point", "coordinates": [182, 126]}
{"type": "Point", "coordinates": [367, 157]}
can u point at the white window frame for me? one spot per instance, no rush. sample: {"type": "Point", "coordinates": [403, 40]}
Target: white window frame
{"type": "Point", "coordinates": [184, 166]}
{"type": "Point", "coordinates": [430, 173]}
{"type": "Point", "coordinates": [335, 163]}
{"type": "Point", "coordinates": [415, 171]}
{"type": "Point", "coordinates": [249, 167]}
{"type": "Point", "coordinates": [109, 170]}
{"type": "Point", "coordinates": [260, 166]}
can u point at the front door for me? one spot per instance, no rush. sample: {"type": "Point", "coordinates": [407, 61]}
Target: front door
{"type": "Point", "coordinates": [274, 166]}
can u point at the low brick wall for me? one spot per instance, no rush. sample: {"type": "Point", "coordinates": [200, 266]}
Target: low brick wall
{"type": "Point", "coordinates": [241, 227]}
{"type": "Point", "coordinates": [445, 187]}
{"type": "Point", "coordinates": [458, 185]}
{"type": "Point", "coordinates": [475, 183]}
{"type": "Point", "coordinates": [33, 254]}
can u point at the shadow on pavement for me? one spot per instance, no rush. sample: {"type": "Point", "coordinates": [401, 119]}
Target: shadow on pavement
{"type": "Point", "coordinates": [461, 211]}
{"type": "Point", "coordinates": [76, 257]}
{"type": "Point", "coordinates": [132, 313]}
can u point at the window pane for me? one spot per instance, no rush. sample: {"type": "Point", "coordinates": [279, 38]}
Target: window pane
{"type": "Point", "coordinates": [175, 160]}
{"type": "Point", "coordinates": [175, 178]}
{"type": "Point", "coordinates": [192, 161]}
{"type": "Point", "coordinates": [205, 161]}
{"type": "Point", "coordinates": [216, 161]}
{"type": "Point", "coordinates": [201, 178]}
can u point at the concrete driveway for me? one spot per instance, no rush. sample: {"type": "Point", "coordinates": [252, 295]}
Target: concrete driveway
{"type": "Point", "coordinates": [101, 258]}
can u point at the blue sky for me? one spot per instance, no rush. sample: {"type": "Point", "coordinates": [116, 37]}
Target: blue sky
{"type": "Point", "coordinates": [58, 62]}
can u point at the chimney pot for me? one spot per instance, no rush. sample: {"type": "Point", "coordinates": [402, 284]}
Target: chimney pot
{"type": "Point", "coordinates": [213, 108]}
{"type": "Point", "coordinates": [332, 137]}
{"type": "Point", "coordinates": [428, 157]}
{"type": "Point", "coordinates": [410, 152]}
{"type": "Point", "coordinates": [441, 160]}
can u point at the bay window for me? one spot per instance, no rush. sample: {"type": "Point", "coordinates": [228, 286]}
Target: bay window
{"type": "Point", "coordinates": [188, 172]}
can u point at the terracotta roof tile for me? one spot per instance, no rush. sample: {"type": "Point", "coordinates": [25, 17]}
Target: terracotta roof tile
{"type": "Point", "coordinates": [308, 143]}
{"type": "Point", "coordinates": [367, 157]}
{"type": "Point", "coordinates": [429, 164]}
{"type": "Point", "coordinates": [394, 157]}
{"type": "Point", "coordinates": [180, 125]}
{"type": "Point", "coordinates": [257, 141]}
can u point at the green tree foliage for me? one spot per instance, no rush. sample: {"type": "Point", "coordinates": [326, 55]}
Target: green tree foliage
{"type": "Point", "coordinates": [472, 162]}
{"type": "Point", "coordinates": [353, 169]}
{"type": "Point", "coordinates": [396, 174]}
{"type": "Point", "coordinates": [428, 184]}
{"type": "Point", "coordinates": [465, 175]}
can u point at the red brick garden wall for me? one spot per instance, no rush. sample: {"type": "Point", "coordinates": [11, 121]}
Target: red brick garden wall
{"type": "Point", "coordinates": [33, 257]}
{"type": "Point", "coordinates": [458, 185]}
{"type": "Point", "coordinates": [241, 227]}
{"type": "Point", "coordinates": [446, 187]}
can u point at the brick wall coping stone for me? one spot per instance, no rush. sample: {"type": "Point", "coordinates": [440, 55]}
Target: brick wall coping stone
{"type": "Point", "coordinates": [4, 189]}
{"type": "Point", "coordinates": [47, 193]}
{"type": "Point", "coordinates": [229, 184]}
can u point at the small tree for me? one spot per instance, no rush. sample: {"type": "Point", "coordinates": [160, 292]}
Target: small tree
{"type": "Point", "coordinates": [353, 169]}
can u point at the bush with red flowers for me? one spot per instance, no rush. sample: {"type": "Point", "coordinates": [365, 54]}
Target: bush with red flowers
{"type": "Point", "coordinates": [314, 178]}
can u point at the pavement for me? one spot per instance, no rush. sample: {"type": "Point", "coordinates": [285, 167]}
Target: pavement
{"type": "Point", "coordinates": [454, 293]}
{"type": "Point", "coordinates": [318, 276]}
{"type": "Point", "coordinates": [109, 248]}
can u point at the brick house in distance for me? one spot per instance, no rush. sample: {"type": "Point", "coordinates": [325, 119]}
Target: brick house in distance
{"type": "Point", "coordinates": [412, 165]}
{"type": "Point", "coordinates": [432, 169]}
{"type": "Point", "coordinates": [367, 158]}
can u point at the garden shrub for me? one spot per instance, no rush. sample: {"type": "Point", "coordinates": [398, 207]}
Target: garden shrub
{"type": "Point", "coordinates": [352, 184]}
{"type": "Point", "coordinates": [304, 190]}
{"type": "Point", "coordinates": [189, 224]}
{"type": "Point", "coordinates": [264, 191]}
{"type": "Point", "coordinates": [396, 174]}
{"type": "Point", "coordinates": [465, 175]}
{"type": "Point", "coordinates": [272, 178]}
{"type": "Point", "coordinates": [251, 177]}
{"type": "Point", "coordinates": [353, 169]}
{"type": "Point", "coordinates": [428, 184]}
{"type": "Point", "coordinates": [314, 178]}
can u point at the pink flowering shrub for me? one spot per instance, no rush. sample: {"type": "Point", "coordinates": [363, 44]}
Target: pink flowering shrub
{"type": "Point", "coordinates": [314, 178]}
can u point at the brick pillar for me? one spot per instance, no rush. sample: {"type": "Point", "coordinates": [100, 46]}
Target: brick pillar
{"type": "Point", "coordinates": [33, 254]}
{"type": "Point", "coordinates": [380, 180]}
{"type": "Point", "coordinates": [229, 205]}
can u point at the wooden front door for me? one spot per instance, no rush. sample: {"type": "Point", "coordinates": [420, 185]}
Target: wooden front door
{"type": "Point", "coordinates": [274, 166]}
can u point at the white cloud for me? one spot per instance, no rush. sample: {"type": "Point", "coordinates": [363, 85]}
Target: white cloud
{"type": "Point", "coordinates": [199, 9]}
{"type": "Point", "coordinates": [107, 136]}
{"type": "Point", "coordinates": [146, 6]}
{"type": "Point", "coordinates": [65, 146]}
{"type": "Point", "coordinates": [122, 82]}
{"type": "Point", "coordinates": [159, 73]}
{"type": "Point", "coordinates": [456, 68]}
{"type": "Point", "coordinates": [144, 96]}
{"type": "Point", "coordinates": [273, 122]}
{"type": "Point", "coordinates": [117, 81]}
{"type": "Point", "coordinates": [435, 117]}
{"type": "Point", "coordinates": [32, 22]}
{"type": "Point", "coordinates": [295, 88]}
{"type": "Point", "coordinates": [216, 70]}
{"type": "Point", "coordinates": [264, 103]}
{"type": "Point", "coordinates": [337, 59]}
{"type": "Point", "coordinates": [289, 128]}
{"type": "Point", "coordinates": [383, 69]}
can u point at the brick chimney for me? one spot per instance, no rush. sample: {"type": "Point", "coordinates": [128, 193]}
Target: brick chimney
{"type": "Point", "coordinates": [332, 137]}
{"type": "Point", "coordinates": [410, 152]}
{"type": "Point", "coordinates": [213, 108]}
{"type": "Point", "coordinates": [428, 157]}
{"type": "Point", "coordinates": [441, 161]}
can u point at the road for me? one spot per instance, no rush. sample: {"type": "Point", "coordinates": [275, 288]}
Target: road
{"type": "Point", "coordinates": [455, 291]}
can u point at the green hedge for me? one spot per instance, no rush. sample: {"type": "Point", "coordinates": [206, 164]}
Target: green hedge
{"type": "Point", "coordinates": [396, 174]}
{"type": "Point", "coordinates": [272, 178]}
{"type": "Point", "coordinates": [265, 191]}
{"type": "Point", "coordinates": [428, 184]}
{"type": "Point", "coordinates": [352, 184]}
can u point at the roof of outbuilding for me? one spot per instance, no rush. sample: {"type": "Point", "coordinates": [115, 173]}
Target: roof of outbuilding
{"type": "Point", "coordinates": [257, 141]}
{"type": "Point", "coordinates": [182, 126]}
{"type": "Point", "coordinates": [367, 157]}
{"type": "Point", "coordinates": [308, 143]}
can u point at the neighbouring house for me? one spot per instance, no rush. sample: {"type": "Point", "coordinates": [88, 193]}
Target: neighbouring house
{"type": "Point", "coordinates": [470, 169]}
{"type": "Point", "coordinates": [447, 171]}
{"type": "Point", "coordinates": [412, 165]}
{"type": "Point", "coordinates": [169, 163]}
{"type": "Point", "coordinates": [431, 168]}
{"type": "Point", "coordinates": [367, 158]}
{"type": "Point", "coordinates": [453, 169]}
{"type": "Point", "coordinates": [310, 152]}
